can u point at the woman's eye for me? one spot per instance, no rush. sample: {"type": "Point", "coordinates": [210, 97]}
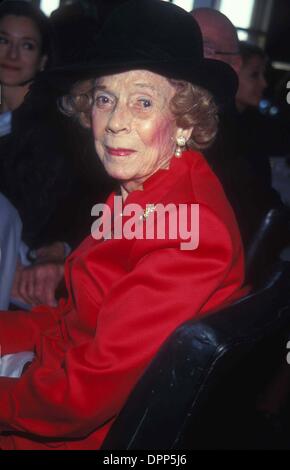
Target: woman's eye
{"type": "Point", "coordinates": [145, 103]}
{"type": "Point", "coordinates": [28, 46]}
{"type": "Point", "coordinates": [3, 40]}
{"type": "Point", "coordinates": [103, 101]}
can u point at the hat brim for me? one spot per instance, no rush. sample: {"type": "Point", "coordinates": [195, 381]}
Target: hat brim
{"type": "Point", "coordinates": [215, 76]}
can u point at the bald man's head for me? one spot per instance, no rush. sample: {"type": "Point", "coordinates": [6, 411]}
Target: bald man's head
{"type": "Point", "coordinates": [220, 35]}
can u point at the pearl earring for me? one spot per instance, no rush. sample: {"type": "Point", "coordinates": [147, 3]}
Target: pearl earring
{"type": "Point", "coordinates": [180, 144]}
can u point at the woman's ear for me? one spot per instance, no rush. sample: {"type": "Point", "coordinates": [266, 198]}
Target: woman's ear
{"type": "Point", "coordinates": [43, 62]}
{"type": "Point", "coordinates": [181, 138]}
{"type": "Point", "coordinates": [186, 133]}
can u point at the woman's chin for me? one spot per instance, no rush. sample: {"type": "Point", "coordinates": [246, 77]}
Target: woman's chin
{"type": "Point", "coordinates": [118, 172]}
{"type": "Point", "coordinates": [11, 82]}
{"type": "Point", "coordinates": [118, 175]}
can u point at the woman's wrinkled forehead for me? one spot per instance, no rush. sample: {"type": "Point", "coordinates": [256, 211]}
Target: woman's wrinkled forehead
{"type": "Point", "coordinates": [138, 80]}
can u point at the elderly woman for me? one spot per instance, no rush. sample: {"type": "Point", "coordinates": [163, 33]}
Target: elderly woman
{"type": "Point", "coordinates": [127, 293]}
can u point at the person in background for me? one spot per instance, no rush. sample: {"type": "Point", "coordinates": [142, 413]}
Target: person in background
{"type": "Point", "coordinates": [220, 39]}
{"type": "Point", "coordinates": [254, 128]}
{"type": "Point", "coordinates": [10, 238]}
{"type": "Point", "coordinates": [32, 167]}
{"type": "Point", "coordinates": [25, 50]}
{"type": "Point", "coordinates": [243, 172]}
{"type": "Point", "coordinates": [262, 136]}
{"type": "Point", "coordinates": [252, 82]}
{"type": "Point", "coordinates": [150, 112]}
{"type": "Point", "coordinates": [38, 169]}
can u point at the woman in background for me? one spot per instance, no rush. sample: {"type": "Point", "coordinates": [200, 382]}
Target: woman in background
{"type": "Point", "coordinates": [252, 82]}
{"type": "Point", "coordinates": [25, 47]}
{"type": "Point", "coordinates": [261, 136]}
{"type": "Point", "coordinates": [28, 167]}
{"type": "Point", "coordinates": [38, 172]}
{"type": "Point", "coordinates": [32, 166]}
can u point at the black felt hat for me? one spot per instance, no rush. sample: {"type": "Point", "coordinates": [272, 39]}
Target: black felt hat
{"type": "Point", "coordinates": [157, 36]}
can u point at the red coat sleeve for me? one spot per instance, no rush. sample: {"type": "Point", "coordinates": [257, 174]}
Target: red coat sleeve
{"type": "Point", "coordinates": [164, 287]}
{"type": "Point", "coordinates": [19, 330]}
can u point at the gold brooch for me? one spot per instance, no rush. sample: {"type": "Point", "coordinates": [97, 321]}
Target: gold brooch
{"type": "Point", "coordinates": [150, 208]}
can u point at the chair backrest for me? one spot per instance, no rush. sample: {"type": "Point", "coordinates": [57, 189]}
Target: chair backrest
{"type": "Point", "coordinates": [272, 236]}
{"type": "Point", "coordinates": [174, 403]}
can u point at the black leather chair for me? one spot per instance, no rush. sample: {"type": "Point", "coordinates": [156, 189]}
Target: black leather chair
{"type": "Point", "coordinates": [201, 389]}
{"type": "Point", "coordinates": [264, 249]}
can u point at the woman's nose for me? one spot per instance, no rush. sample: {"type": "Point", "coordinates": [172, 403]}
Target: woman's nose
{"type": "Point", "coordinates": [120, 119]}
{"type": "Point", "coordinates": [13, 51]}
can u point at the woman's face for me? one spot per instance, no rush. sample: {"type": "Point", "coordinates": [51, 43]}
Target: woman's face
{"type": "Point", "coordinates": [20, 50]}
{"type": "Point", "coordinates": [134, 129]}
{"type": "Point", "coordinates": [252, 82]}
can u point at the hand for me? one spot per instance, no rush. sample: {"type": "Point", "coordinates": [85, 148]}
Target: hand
{"type": "Point", "coordinates": [37, 284]}
{"type": "Point", "coordinates": [51, 253]}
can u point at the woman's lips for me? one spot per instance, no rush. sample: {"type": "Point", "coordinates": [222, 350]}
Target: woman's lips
{"type": "Point", "coordinates": [120, 152]}
{"type": "Point", "coordinates": [10, 67]}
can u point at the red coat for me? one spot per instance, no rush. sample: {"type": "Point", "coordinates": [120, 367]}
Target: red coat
{"type": "Point", "coordinates": [125, 298]}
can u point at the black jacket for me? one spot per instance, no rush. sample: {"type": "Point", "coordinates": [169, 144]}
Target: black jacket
{"type": "Point", "coordinates": [239, 159]}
